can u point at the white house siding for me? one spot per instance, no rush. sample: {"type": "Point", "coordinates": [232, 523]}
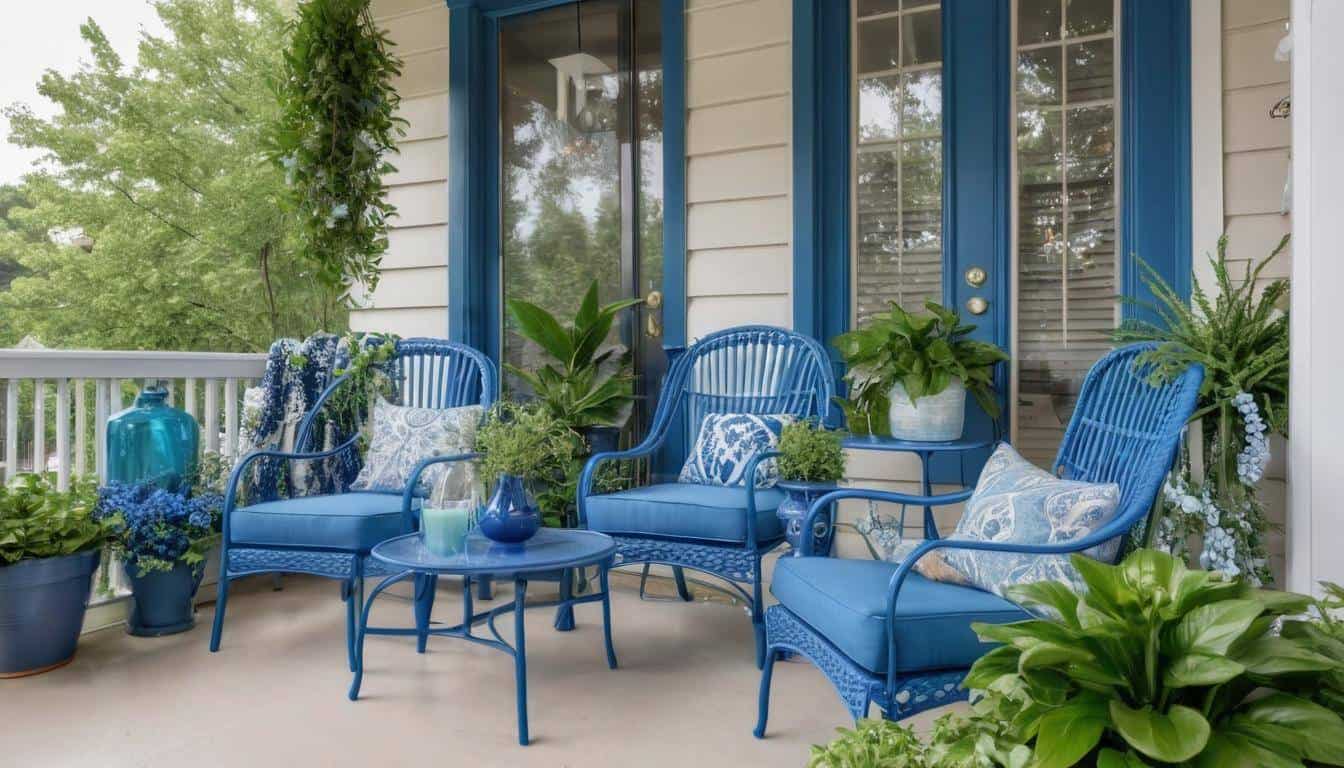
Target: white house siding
{"type": "Point", "coordinates": [412, 295]}
{"type": "Point", "coordinates": [739, 125]}
{"type": "Point", "coordinates": [1255, 166]}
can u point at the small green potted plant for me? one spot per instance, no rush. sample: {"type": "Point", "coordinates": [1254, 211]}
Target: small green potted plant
{"type": "Point", "coordinates": [49, 548]}
{"type": "Point", "coordinates": [531, 457]}
{"type": "Point", "coordinates": [909, 374]}
{"type": "Point", "coordinates": [811, 462]}
{"type": "Point", "coordinates": [589, 384]}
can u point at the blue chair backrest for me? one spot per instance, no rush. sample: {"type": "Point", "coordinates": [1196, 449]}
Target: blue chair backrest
{"type": "Point", "coordinates": [757, 369]}
{"type": "Point", "coordinates": [1127, 431]}
{"type": "Point", "coordinates": [434, 373]}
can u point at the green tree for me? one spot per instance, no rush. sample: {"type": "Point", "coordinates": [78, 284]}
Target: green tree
{"type": "Point", "coordinates": [162, 165]}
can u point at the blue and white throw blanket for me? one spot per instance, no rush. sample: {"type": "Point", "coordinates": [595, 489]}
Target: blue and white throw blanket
{"type": "Point", "coordinates": [296, 375]}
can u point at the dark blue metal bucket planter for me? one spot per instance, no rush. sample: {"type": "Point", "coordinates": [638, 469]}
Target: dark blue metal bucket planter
{"type": "Point", "coordinates": [42, 606]}
{"type": "Point", "coordinates": [163, 602]}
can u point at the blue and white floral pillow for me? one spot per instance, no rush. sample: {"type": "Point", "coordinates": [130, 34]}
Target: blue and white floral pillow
{"type": "Point", "coordinates": [403, 437]}
{"type": "Point", "coordinates": [726, 445]}
{"type": "Point", "coordinates": [1016, 501]}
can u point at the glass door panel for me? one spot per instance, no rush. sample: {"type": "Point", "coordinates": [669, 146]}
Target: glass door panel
{"type": "Point", "coordinates": [1067, 281]}
{"type": "Point", "coordinates": [898, 191]}
{"type": "Point", "coordinates": [580, 94]}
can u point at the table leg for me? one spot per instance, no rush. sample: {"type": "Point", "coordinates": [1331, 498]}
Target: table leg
{"type": "Point", "coordinates": [467, 607]}
{"type": "Point", "coordinates": [606, 614]}
{"type": "Point", "coordinates": [364, 624]}
{"type": "Point", "coordinates": [520, 656]}
{"type": "Point", "coordinates": [930, 528]}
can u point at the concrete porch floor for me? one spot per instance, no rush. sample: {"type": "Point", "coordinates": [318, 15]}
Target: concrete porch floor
{"type": "Point", "coordinates": [275, 694]}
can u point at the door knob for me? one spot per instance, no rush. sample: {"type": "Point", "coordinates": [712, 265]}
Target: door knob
{"type": "Point", "coordinates": [976, 277]}
{"type": "Point", "coordinates": [654, 300]}
{"type": "Point", "coordinates": [977, 305]}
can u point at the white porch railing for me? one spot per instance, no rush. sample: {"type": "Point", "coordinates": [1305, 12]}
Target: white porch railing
{"type": "Point", "coordinates": [57, 403]}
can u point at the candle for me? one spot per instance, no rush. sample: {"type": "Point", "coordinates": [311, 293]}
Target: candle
{"type": "Point", "coordinates": [445, 528]}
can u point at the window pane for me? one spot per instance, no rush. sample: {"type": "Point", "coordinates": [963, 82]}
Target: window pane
{"type": "Point", "coordinates": [922, 107]}
{"type": "Point", "coordinates": [1068, 271]}
{"type": "Point", "coordinates": [899, 162]}
{"type": "Point", "coordinates": [879, 44]}
{"type": "Point", "coordinates": [1088, 17]}
{"type": "Point", "coordinates": [1038, 76]}
{"type": "Point", "coordinates": [1091, 70]}
{"type": "Point", "coordinates": [923, 38]}
{"type": "Point", "coordinates": [873, 7]}
{"type": "Point", "coordinates": [1037, 21]}
{"type": "Point", "coordinates": [879, 108]}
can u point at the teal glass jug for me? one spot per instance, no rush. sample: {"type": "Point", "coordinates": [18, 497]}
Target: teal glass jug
{"type": "Point", "coordinates": [152, 442]}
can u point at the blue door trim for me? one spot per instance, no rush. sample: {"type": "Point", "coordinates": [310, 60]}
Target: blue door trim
{"type": "Point", "coordinates": [1155, 156]}
{"type": "Point", "coordinates": [821, 168]}
{"type": "Point", "coordinates": [474, 314]}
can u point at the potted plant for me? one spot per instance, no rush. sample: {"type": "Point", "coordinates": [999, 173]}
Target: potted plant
{"type": "Point", "coordinates": [589, 384]}
{"type": "Point", "coordinates": [811, 461]}
{"type": "Point", "coordinates": [49, 548]}
{"type": "Point", "coordinates": [533, 458]}
{"type": "Point", "coordinates": [1149, 663]}
{"type": "Point", "coordinates": [908, 374]}
{"type": "Point", "coordinates": [163, 537]}
{"type": "Point", "coordinates": [1239, 333]}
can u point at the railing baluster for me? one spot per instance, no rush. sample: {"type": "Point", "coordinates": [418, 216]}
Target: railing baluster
{"type": "Point", "coordinates": [230, 417]}
{"type": "Point", "coordinates": [39, 426]}
{"type": "Point", "coordinates": [212, 415]}
{"type": "Point", "coordinates": [189, 398]}
{"type": "Point", "coordinates": [62, 434]}
{"type": "Point", "coordinates": [11, 428]}
{"type": "Point", "coordinates": [102, 390]}
{"type": "Point", "coordinates": [81, 425]}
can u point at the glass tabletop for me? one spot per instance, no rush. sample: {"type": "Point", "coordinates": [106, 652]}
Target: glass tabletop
{"type": "Point", "coordinates": [550, 549]}
{"type": "Point", "coordinates": [876, 443]}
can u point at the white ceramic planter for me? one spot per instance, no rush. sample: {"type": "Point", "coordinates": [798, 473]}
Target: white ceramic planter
{"type": "Point", "coordinates": [931, 418]}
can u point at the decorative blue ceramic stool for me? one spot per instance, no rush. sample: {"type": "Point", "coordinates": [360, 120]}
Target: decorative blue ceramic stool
{"type": "Point", "coordinates": [925, 450]}
{"type": "Point", "coordinates": [549, 551]}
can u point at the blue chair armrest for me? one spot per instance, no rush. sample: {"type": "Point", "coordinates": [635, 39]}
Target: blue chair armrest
{"type": "Point", "coordinates": [749, 479]}
{"type": "Point", "coordinates": [236, 476]}
{"type": "Point", "coordinates": [408, 495]}
{"type": "Point", "coordinates": [824, 504]}
{"type": "Point", "coordinates": [585, 489]}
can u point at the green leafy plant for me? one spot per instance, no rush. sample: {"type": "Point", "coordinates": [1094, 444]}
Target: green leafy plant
{"type": "Point", "coordinates": [528, 441]}
{"type": "Point", "coordinates": [1156, 664]}
{"type": "Point", "coordinates": [810, 453]}
{"type": "Point", "coordinates": [923, 353]}
{"type": "Point", "coordinates": [1324, 634]}
{"type": "Point", "coordinates": [1240, 336]}
{"type": "Point", "coordinates": [587, 385]}
{"type": "Point", "coordinates": [981, 738]}
{"type": "Point", "coordinates": [338, 123]}
{"type": "Point", "coordinates": [38, 521]}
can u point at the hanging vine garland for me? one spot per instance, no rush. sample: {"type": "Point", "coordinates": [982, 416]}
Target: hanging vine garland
{"type": "Point", "coordinates": [338, 125]}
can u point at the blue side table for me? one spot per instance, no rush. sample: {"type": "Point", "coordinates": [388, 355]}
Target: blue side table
{"type": "Point", "coordinates": [551, 550]}
{"type": "Point", "coordinates": [925, 451]}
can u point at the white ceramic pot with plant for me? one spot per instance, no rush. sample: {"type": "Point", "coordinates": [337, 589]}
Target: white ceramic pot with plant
{"type": "Point", "coordinates": [908, 374]}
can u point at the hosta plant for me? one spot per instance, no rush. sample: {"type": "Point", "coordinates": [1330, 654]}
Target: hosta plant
{"type": "Point", "coordinates": [1324, 633]}
{"type": "Point", "coordinates": [924, 353]}
{"type": "Point", "coordinates": [1156, 664]}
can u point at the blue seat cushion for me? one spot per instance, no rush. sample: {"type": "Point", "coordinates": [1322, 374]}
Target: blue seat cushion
{"type": "Point", "coordinates": [846, 602]}
{"type": "Point", "coordinates": [712, 513]}
{"type": "Point", "coordinates": [352, 522]}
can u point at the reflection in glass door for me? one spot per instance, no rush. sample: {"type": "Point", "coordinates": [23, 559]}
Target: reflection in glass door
{"type": "Point", "coordinates": [1067, 273]}
{"type": "Point", "coordinates": [580, 94]}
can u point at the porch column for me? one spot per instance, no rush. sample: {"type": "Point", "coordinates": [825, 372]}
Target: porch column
{"type": "Point", "coordinates": [1316, 403]}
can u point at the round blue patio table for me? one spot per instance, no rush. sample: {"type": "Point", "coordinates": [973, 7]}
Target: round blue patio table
{"type": "Point", "coordinates": [544, 554]}
{"type": "Point", "coordinates": [925, 451]}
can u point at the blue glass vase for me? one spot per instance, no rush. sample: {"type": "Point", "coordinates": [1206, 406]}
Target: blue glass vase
{"type": "Point", "coordinates": [152, 442]}
{"type": "Point", "coordinates": [511, 516]}
{"type": "Point", "coordinates": [792, 511]}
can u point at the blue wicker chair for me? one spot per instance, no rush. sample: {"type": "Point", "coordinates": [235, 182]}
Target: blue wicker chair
{"type": "Point", "coordinates": [886, 635]}
{"type": "Point", "coordinates": [719, 530]}
{"type": "Point", "coordinates": [331, 535]}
